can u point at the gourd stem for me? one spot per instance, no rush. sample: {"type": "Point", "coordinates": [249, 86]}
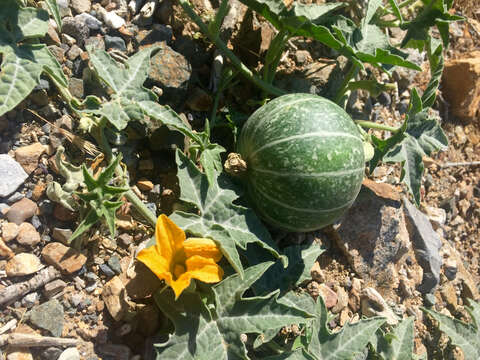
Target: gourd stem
{"type": "Point", "coordinates": [373, 125]}
{"type": "Point", "coordinates": [140, 206]}
{"type": "Point", "coordinates": [228, 53]}
{"type": "Point", "coordinates": [235, 165]}
{"type": "Point", "coordinates": [352, 72]}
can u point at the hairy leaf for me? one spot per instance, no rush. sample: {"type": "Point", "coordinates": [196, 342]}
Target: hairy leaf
{"type": "Point", "coordinates": [201, 334]}
{"type": "Point", "coordinates": [300, 261]}
{"type": "Point", "coordinates": [398, 344]}
{"type": "Point", "coordinates": [382, 147]}
{"type": "Point", "coordinates": [53, 8]}
{"type": "Point", "coordinates": [435, 58]}
{"type": "Point", "coordinates": [352, 339]}
{"type": "Point", "coordinates": [22, 64]}
{"type": "Point", "coordinates": [218, 218]}
{"type": "Point", "coordinates": [434, 12]}
{"type": "Point", "coordinates": [466, 336]}
{"type": "Point", "coordinates": [396, 9]}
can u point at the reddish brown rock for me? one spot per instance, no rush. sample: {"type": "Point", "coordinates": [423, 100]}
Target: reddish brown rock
{"type": "Point", "coordinates": [38, 190]}
{"type": "Point", "coordinates": [63, 214]}
{"type": "Point", "coordinates": [64, 258]}
{"type": "Point", "coordinates": [461, 86]}
{"type": "Point", "coordinates": [329, 296]}
{"type": "Point", "coordinates": [28, 235]}
{"type": "Point", "coordinates": [21, 211]}
{"type": "Point", "coordinates": [5, 251]}
{"type": "Point", "coordinates": [114, 296]}
{"type": "Point", "coordinates": [28, 156]}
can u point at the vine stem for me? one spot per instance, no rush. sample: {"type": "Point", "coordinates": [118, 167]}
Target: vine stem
{"type": "Point", "coordinates": [140, 206]}
{"type": "Point", "coordinates": [352, 72]}
{"type": "Point", "coordinates": [228, 53]}
{"type": "Point", "coordinates": [373, 125]}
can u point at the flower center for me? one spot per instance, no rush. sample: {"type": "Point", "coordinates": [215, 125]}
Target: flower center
{"type": "Point", "coordinates": [178, 269]}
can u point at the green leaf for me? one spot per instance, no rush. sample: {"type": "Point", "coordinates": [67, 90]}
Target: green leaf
{"type": "Point", "coordinates": [434, 12]}
{"type": "Point", "coordinates": [435, 57]}
{"type": "Point", "coordinates": [166, 116]}
{"type": "Point", "coordinates": [217, 217]}
{"type": "Point", "coordinates": [396, 10]}
{"type": "Point", "coordinates": [53, 8]}
{"type": "Point", "coordinates": [29, 23]}
{"type": "Point", "coordinates": [100, 199]}
{"type": "Point", "coordinates": [300, 261]}
{"type": "Point", "coordinates": [398, 344]}
{"type": "Point", "coordinates": [295, 355]}
{"type": "Point", "coordinates": [202, 335]}
{"type": "Point", "coordinates": [465, 336]}
{"type": "Point", "coordinates": [382, 147]}
{"type": "Point", "coordinates": [211, 161]}
{"type": "Point", "coordinates": [50, 64]}
{"type": "Point", "coordinates": [126, 80]}
{"type": "Point", "coordinates": [18, 76]}
{"type": "Point", "coordinates": [352, 339]}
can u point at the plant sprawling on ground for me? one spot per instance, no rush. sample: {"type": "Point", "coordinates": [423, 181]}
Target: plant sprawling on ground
{"type": "Point", "coordinates": [240, 316]}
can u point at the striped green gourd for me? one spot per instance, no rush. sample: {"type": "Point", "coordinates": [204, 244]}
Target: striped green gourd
{"type": "Point", "coordinates": [305, 161]}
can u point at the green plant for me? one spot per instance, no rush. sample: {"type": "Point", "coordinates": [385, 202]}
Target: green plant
{"type": "Point", "coordinates": [362, 43]}
{"type": "Point", "coordinates": [304, 161]}
{"type": "Point", "coordinates": [23, 60]}
{"type": "Point", "coordinates": [464, 335]}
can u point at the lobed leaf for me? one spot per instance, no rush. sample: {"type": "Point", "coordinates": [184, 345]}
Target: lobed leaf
{"type": "Point", "coordinates": [465, 336]}
{"type": "Point", "coordinates": [398, 344]}
{"type": "Point", "coordinates": [200, 334]}
{"type": "Point", "coordinates": [218, 218]}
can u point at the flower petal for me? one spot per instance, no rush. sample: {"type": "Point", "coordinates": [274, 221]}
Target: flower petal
{"type": "Point", "coordinates": [181, 284]}
{"type": "Point", "coordinates": [206, 248]}
{"type": "Point", "coordinates": [204, 269]}
{"type": "Point", "coordinates": [169, 238]}
{"type": "Point", "coordinates": [156, 263]}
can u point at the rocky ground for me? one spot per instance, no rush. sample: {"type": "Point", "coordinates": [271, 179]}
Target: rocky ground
{"type": "Point", "coordinates": [385, 257]}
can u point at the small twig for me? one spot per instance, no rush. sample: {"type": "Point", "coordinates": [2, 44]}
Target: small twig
{"type": "Point", "coordinates": [18, 290]}
{"type": "Point", "coordinates": [28, 340]}
{"type": "Point", "coordinates": [81, 144]}
{"type": "Point", "coordinates": [465, 163]}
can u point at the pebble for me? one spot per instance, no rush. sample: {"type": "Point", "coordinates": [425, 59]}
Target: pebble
{"type": "Point", "coordinates": [112, 20]}
{"type": "Point", "coordinates": [70, 354]}
{"type": "Point", "coordinates": [9, 231]}
{"type": "Point", "coordinates": [104, 268]}
{"type": "Point", "coordinates": [329, 296]}
{"type": "Point", "coordinates": [62, 235]}
{"type": "Point", "coordinates": [74, 52]}
{"type": "Point", "coordinates": [53, 288]}
{"type": "Point", "coordinates": [64, 8]}
{"type": "Point", "coordinates": [48, 316]}
{"type": "Point", "coordinates": [115, 42]}
{"type": "Point", "coordinates": [116, 351]}
{"type": "Point", "coordinates": [5, 251]}
{"type": "Point", "coordinates": [30, 300]}
{"type": "Point", "coordinates": [91, 21]}
{"type": "Point", "coordinates": [12, 175]}
{"type": "Point", "coordinates": [23, 264]}
{"type": "Point", "coordinates": [125, 239]}
{"type": "Point", "coordinates": [113, 295]}
{"type": "Point", "coordinates": [17, 196]}
{"type": "Point", "coordinates": [19, 354]}
{"type": "Point", "coordinates": [76, 28]}
{"type": "Point", "coordinates": [66, 259]}
{"type": "Point", "coordinates": [145, 185]}
{"type": "Point", "coordinates": [373, 304]}
{"type": "Point", "coordinates": [80, 6]}
{"type": "Point", "coordinates": [36, 222]}
{"type": "Point", "coordinates": [50, 353]}
{"type": "Point", "coordinates": [28, 156]}
{"type": "Point", "coordinates": [114, 264]}
{"type": "Point", "coordinates": [28, 235]}
{"type": "Point", "coordinates": [21, 211]}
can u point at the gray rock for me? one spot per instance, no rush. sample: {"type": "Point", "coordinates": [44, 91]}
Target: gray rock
{"type": "Point", "coordinates": [17, 196]}
{"type": "Point", "coordinates": [12, 175]}
{"type": "Point", "coordinates": [51, 353]}
{"type": "Point", "coordinates": [76, 87]}
{"type": "Point", "coordinates": [76, 28]}
{"type": "Point", "coordinates": [426, 243]}
{"type": "Point", "coordinates": [170, 71]}
{"type": "Point", "coordinates": [64, 8]}
{"type": "Point", "coordinates": [104, 268]}
{"type": "Point", "coordinates": [97, 43]}
{"type": "Point", "coordinates": [159, 33]}
{"type": "Point", "coordinates": [115, 42]}
{"type": "Point", "coordinates": [48, 316]}
{"type": "Point", "coordinates": [114, 264]}
{"type": "Point", "coordinates": [373, 235]}
{"type": "Point", "coordinates": [91, 21]}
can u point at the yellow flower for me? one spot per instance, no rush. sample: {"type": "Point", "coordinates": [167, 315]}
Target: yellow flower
{"type": "Point", "coordinates": [177, 260]}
